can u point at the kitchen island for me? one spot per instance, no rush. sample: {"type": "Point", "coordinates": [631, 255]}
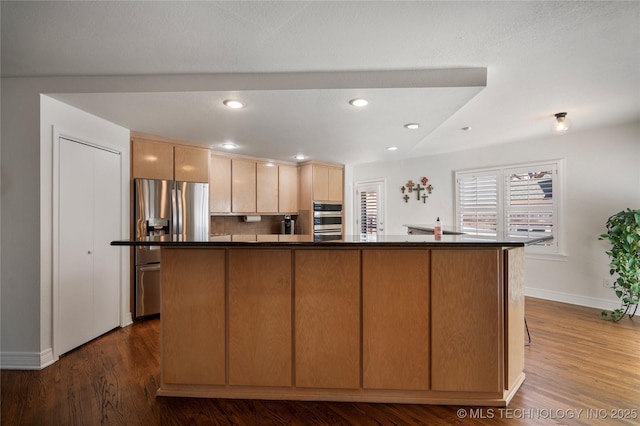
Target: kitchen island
{"type": "Point", "coordinates": [391, 319]}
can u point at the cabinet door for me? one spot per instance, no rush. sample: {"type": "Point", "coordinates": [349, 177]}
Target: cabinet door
{"type": "Point", "coordinates": [220, 185]}
{"type": "Point", "coordinates": [243, 186]}
{"type": "Point", "coordinates": [327, 318]}
{"type": "Point", "coordinates": [191, 164]}
{"type": "Point", "coordinates": [260, 317]}
{"type": "Point", "coordinates": [266, 188]}
{"type": "Point", "coordinates": [151, 160]}
{"type": "Point", "coordinates": [334, 178]}
{"type": "Point", "coordinates": [288, 189]}
{"type": "Point", "coordinates": [466, 349]}
{"type": "Point", "coordinates": [395, 301]}
{"type": "Point", "coordinates": [320, 183]}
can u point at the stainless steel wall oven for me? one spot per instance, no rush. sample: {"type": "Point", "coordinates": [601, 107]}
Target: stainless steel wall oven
{"type": "Point", "coordinates": [327, 221]}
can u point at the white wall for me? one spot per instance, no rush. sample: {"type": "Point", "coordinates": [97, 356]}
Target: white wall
{"type": "Point", "coordinates": [70, 121]}
{"type": "Point", "coordinates": [602, 177]}
{"type": "Point", "coordinates": [26, 256]}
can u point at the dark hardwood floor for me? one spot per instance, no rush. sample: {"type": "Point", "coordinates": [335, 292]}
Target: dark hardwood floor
{"type": "Point", "coordinates": [580, 370]}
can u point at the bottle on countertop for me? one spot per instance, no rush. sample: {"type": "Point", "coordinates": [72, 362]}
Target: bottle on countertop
{"type": "Point", "coordinates": [437, 230]}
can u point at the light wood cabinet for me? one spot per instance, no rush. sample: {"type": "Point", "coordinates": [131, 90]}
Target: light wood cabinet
{"type": "Point", "coordinates": [161, 159]}
{"type": "Point", "coordinates": [287, 189]}
{"type": "Point", "coordinates": [220, 184]}
{"type": "Point", "coordinates": [151, 160]}
{"type": "Point", "coordinates": [266, 188]}
{"type": "Point", "coordinates": [327, 320]}
{"type": "Point", "coordinates": [243, 186]}
{"type": "Point", "coordinates": [191, 164]}
{"type": "Point", "coordinates": [395, 303]}
{"type": "Point", "coordinates": [260, 317]}
{"type": "Point", "coordinates": [327, 183]}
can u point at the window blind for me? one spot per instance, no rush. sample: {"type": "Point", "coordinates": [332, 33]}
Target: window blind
{"type": "Point", "coordinates": [478, 202]}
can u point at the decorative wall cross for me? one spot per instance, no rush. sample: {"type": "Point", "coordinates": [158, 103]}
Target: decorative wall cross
{"type": "Point", "coordinates": [410, 187]}
{"type": "Point", "coordinates": [406, 198]}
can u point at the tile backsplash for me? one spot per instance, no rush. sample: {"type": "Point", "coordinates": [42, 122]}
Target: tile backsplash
{"type": "Point", "coordinates": [234, 225]}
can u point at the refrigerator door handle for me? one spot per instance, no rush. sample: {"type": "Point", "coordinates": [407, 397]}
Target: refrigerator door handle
{"type": "Point", "coordinates": [180, 217]}
{"type": "Point", "coordinates": [174, 209]}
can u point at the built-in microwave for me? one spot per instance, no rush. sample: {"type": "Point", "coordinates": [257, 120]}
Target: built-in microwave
{"type": "Point", "coordinates": [327, 221]}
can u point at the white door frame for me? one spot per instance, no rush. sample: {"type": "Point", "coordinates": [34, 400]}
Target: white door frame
{"type": "Point", "coordinates": [381, 185]}
{"type": "Point", "coordinates": [57, 135]}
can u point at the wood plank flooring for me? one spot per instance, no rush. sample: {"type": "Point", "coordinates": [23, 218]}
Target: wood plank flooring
{"type": "Point", "coordinates": [577, 361]}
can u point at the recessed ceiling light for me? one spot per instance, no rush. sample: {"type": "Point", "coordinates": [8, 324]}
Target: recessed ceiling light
{"type": "Point", "coordinates": [229, 145]}
{"type": "Point", "coordinates": [234, 104]}
{"type": "Point", "coordinates": [299, 157]}
{"type": "Point", "coordinates": [359, 102]}
{"type": "Point", "coordinates": [412, 126]}
{"type": "Point", "coordinates": [465, 128]}
{"type": "Point", "coordinates": [392, 148]}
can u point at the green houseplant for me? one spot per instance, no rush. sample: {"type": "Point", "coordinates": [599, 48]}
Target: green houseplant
{"type": "Point", "coordinates": [623, 232]}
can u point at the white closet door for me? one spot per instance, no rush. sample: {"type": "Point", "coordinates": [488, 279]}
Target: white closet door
{"type": "Point", "coordinates": [75, 245]}
{"type": "Point", "coordinates": [106, 259]}
{"type": "Point", "coordinates": [88, 220]}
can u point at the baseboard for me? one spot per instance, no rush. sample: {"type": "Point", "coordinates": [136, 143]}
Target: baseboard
{"type": "Point", "coordinates": [26, 360]}
{"type": "Point", "coordinates": [126, 320]}
{"type": "Point", "coordinates": [574, 299]}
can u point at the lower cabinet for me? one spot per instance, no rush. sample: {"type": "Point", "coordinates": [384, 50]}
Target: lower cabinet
{"type": "Point", "coordinates": [395, 292]}
{"type": "Point", "coordinates": [260, 317]}
{"type": "Point", "coordinates": [327, 319]}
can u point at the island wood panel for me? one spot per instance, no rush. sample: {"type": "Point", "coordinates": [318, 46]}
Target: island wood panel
{"type": "Point", "coordinates": [151, 160]}
{"type": "Point", "coordinates": [514, 303]}
{"type": "Point", "coordinates": [260, 327]}
{"type": "Point", "coordinates": [193, 316]}
{"type": "Point", "coordinates": [220, 184]}
{"type": "Point", "coordinates": [327, 319]}
{"type": "Point", "coordinates": [191, 164]}
{"type": "Point", "coordinates": [395, 292]}
{"type": "Point", "coordinates": [466, 320]}
{"type": "Point", "coordinates": [266, 188]}
{"type": "Point", "coordinates": [243, 186]}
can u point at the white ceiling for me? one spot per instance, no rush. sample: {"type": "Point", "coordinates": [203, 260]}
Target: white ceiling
{"type": "Point", "coordinates": [540, 58]}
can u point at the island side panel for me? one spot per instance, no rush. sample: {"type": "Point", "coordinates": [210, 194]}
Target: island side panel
{"type": "Point", "coordinates": [395, 319]}
{"type": "Point", "coordinates": [193, 316]}
{"type": "Point", "coordinates": [467, 320]}
{"type": "Point", "coordinates": [327, 318]}
{"type": "Point", "coordinates": [514, 316]}
{"type": "Point", "coordinates": [260, 317]}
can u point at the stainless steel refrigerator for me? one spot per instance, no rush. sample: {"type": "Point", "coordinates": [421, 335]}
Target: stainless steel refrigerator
{"type": "Point", "coordinates": [164, 210]}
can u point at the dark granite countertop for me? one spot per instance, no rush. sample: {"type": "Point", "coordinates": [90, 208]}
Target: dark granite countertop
{"type": "Point", "coordinates": [386, 241]}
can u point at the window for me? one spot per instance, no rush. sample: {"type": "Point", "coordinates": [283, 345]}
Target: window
{"type": "Point", "coordinates": [368, 212]}
{"type": "Point", "coordinates": [522, 200]}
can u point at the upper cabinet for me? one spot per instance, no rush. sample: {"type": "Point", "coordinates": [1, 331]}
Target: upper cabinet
{"type": "Point", "coordinates": [267, 187]}
{"type": "Point", "coordinates": [220, 184]}
{"type": "Point", "coordinates": [326, 181]}
{"type": "Point", "coordinates": [160, 158]}
{"type": "Point", "coordinates": [287, 189]}
{"type": "Point", "coordinates": [243, 186]}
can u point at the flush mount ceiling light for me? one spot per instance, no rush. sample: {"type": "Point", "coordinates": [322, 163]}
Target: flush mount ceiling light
{"type": "Point", "coordinates": [229, 145]}
{"type": "Point", "coordinates": [561, 124]}
{"type": "Point", "coordinates": [359, 102]}
{"type": "Point", "coordinates": [412, 126]}
{"type": "Point", "coordinates": [230, 103]}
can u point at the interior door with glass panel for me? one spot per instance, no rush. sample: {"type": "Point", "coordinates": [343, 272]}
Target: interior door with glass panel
{"type": "Point", "coordinates": [370, 220]}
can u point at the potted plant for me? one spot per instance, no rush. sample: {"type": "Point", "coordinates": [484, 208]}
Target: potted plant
{"type": "Point", "coordinates": [623, 232]}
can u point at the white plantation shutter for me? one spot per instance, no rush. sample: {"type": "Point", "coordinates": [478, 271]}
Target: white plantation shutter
{"type": "Point", "coordinates": [368, 212]}
{"type": "Point", "coordinates": [478, 202]}
{"type": "Point", "coordinates": [530, 209]}
{"type": "Point", "coordinates": [519, 200]}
